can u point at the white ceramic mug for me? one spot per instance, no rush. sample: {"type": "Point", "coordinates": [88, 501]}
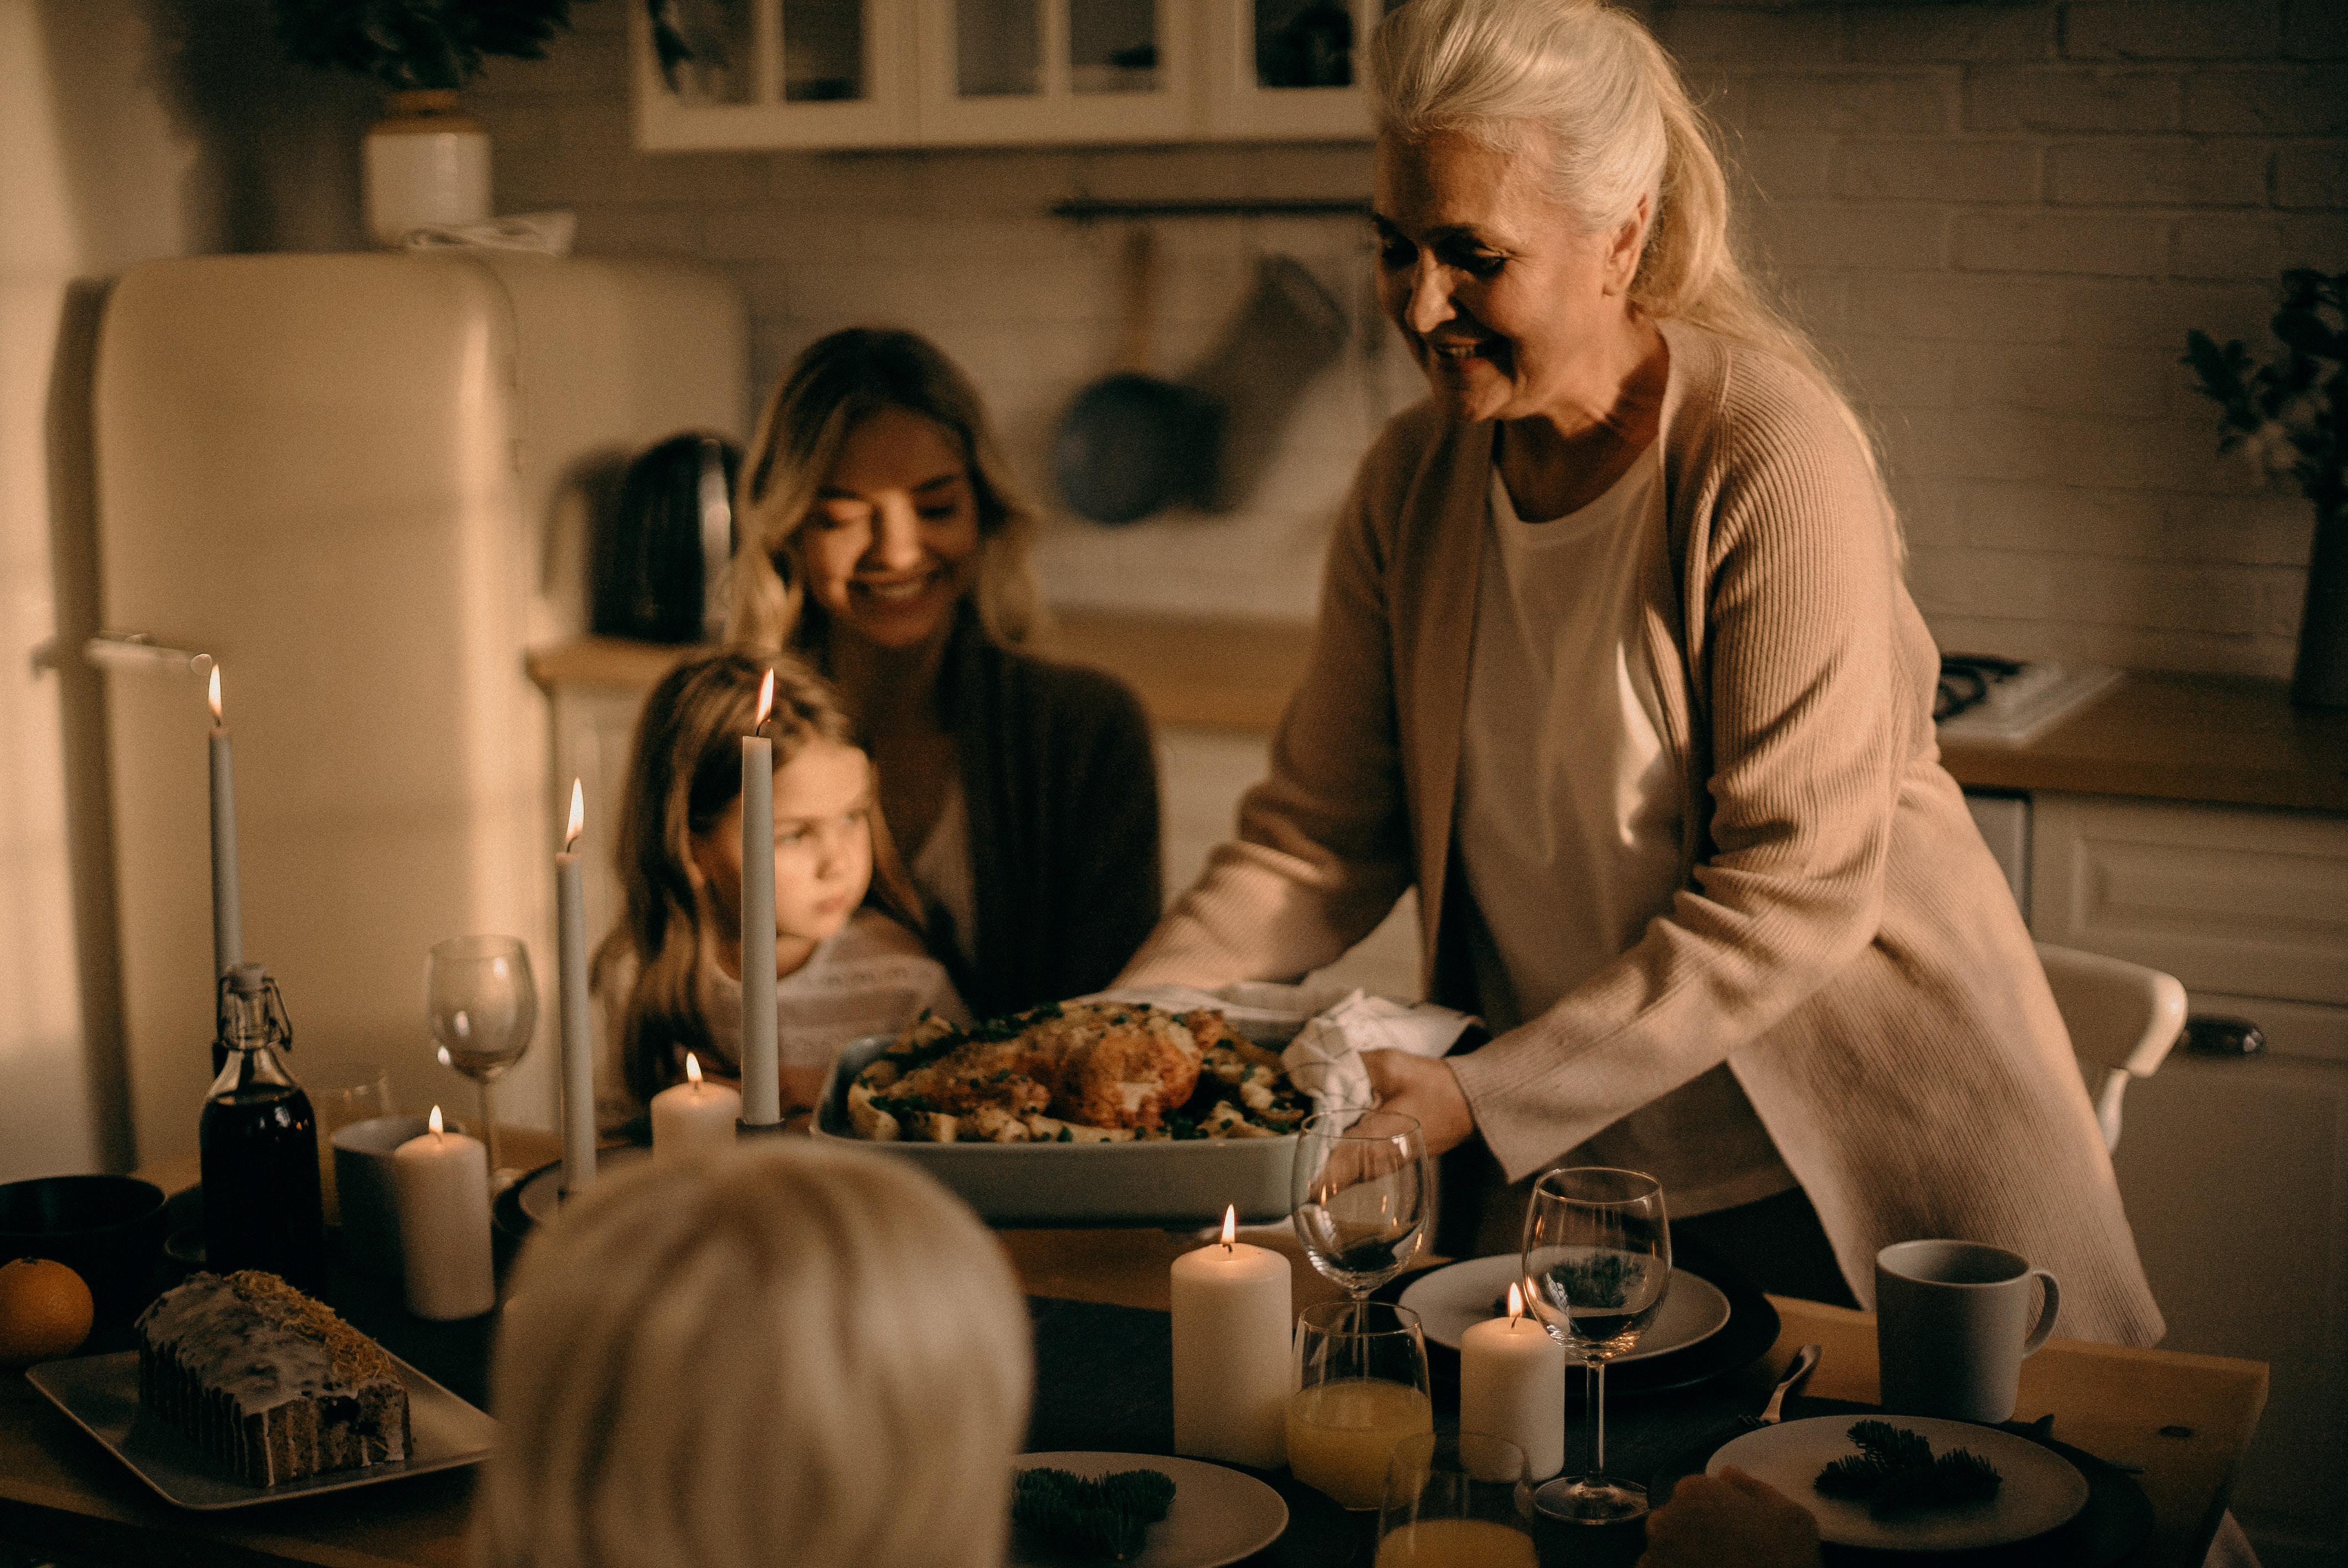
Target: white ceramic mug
{"type": "Point", "coordinates": [363, 1174]}
{"type": "Point", "coordinates": [1953, 1324]}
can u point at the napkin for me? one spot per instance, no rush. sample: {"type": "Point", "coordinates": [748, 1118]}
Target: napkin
{"type": "Point", "coordinates": [548, 234]}
{"type": "Point", "coordinates": [1324, 1028]}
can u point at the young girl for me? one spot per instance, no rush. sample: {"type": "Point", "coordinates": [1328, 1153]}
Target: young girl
{"type": "Point", "coordinates": [848, 961]}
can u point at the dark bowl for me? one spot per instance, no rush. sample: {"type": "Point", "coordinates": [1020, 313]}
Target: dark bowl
{"type": "Point", "coordinates": [107, 1229]}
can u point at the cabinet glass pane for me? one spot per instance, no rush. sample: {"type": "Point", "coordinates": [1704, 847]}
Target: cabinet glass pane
{"type": "Point", "coordinates": [823, 50]}
{"type": "Point", "coordinates": [1112, 46]}
{"type": "Point", "coordinates": [707, 51]}
{"type": "Point", "coordinates": [1303, 44]}
{"type": "Point", "coordinates": [998, 48]}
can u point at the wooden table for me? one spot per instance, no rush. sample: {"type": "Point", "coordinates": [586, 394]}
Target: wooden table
{"type": "Point", "coordinates": [2185, 1418]}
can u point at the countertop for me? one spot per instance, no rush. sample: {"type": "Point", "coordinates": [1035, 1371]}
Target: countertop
{"type": "Point", "coordinates": [2207, 739]}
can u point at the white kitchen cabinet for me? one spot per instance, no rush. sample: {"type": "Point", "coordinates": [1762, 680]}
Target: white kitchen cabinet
{"type": "Point", "coordinates": [2235, 1172]}
{"type": "Point", "coordinates": [977, 73]}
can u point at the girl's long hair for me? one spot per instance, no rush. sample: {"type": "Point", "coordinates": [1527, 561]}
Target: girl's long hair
{"type": "Point", "coordinates": [685, 771]}
{"type": "Point", "coordinates": [1583, 90]}
{"type": "Point", "coordinates": [835, 386]}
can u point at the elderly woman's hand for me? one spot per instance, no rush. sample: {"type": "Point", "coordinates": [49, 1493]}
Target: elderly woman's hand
{"type": "Point", "coordinates": [1730, 1521]}
{"type": "Point", "coordinates": [1416, 1087]}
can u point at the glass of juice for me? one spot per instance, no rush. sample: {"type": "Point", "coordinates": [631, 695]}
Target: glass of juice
{"type": "Point", "coordinates": [1361, 1388]}
{"type": "Point", "coordinates": [1456, 1500]}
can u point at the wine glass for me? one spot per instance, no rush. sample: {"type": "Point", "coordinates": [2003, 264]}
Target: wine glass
{"type": "Point", "coordinates": [1360, 1189]}
{"type": "Point", "coordinates": [1459, 1497]}
{"type": "Point", "coordinates": [1361, 1388]}
{"type": "Point", "coordinates": [1598, 1259]}
{"type": "Point", "coordinates": [483, 1006]}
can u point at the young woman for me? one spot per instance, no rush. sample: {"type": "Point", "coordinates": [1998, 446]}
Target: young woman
{"type": "Point", "coordinates": [848, 961]}
{"type": "Point", "coordinates": [885, 542]}
{"type": "Point", "coordinates": [786, 1354]}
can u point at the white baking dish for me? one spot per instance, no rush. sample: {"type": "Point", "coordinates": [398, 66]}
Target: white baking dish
{"type": "Point", "coordinates": [1161, 1182]}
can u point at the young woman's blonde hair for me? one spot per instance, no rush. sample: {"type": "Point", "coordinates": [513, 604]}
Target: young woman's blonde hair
{"type": "Point", "coordinates": [684, 772]}
{"type": "Point", "coordinates": [1584, 90]}
{"type": "Point", "coordinates": [840, 382]}
{"type": "Point", "coordinates": [789, 1353]}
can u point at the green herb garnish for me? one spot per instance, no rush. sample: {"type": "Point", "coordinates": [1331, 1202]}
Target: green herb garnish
{"type": "Point", "coordinates": [1107, 1518]}
{"type": "Point", "coordinates": [1895, 1473]}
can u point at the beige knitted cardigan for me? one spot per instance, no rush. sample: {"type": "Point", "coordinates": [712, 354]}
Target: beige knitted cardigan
{"type": "Point", "coordinates": [1842, 939]}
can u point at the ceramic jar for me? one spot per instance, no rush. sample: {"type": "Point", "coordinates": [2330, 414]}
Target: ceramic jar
{"type": "Point", "coordinates": [428, 162]}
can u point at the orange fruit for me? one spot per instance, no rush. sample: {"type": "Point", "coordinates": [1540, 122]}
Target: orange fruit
{"type": "Point", "coordinates": [44, 1311]}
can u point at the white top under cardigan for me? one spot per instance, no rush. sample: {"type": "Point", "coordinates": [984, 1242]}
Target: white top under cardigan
{"type": "Point", "coordinates": [1572, 809]}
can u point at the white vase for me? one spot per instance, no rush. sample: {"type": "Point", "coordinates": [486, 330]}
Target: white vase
{"type": "Point", "coordinates": [428, 162]}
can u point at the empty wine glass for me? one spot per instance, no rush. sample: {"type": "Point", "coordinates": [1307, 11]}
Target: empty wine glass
{"type": "Point", "coordinates": [1598, 1258]}
{"type": "Point", "coordinates": [1360, 1191]}
{"type": "Point", "coordinates": [482, 1003]}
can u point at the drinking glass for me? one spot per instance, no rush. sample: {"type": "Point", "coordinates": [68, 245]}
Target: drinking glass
{"type": "Point", "coordinates": [1598, 1258]}
{"type": "Point", "coordinates": [358, 1094]}
{"type": "Point", "coordinates": [483, 1006]}
{"type": "Point", "coordinates": [1360, 1189]}
{"type": "Point", "coordinates": [1361, 1387]}
{"type": "Point", "coordinates": [1456, 1500]}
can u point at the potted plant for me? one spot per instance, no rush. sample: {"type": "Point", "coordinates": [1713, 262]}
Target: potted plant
{"type": "Point", "coordinates": [427, 161]}
{"type": "Point", "coordinates": [2291, 414]}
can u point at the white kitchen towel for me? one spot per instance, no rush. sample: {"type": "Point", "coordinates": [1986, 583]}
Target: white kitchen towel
{"type": "Point", "coordinates": [1324, 1028]}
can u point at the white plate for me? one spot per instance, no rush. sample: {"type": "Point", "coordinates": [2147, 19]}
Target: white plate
{"type": "Point", "coordinates": [1451, 1300]}
{"type": "Point", "coordinates": [1219, 1515]}
{"type": "Point", "coordinates": [2042, 1491]}
{"type": "Point", "coordinates": [101, 1393]}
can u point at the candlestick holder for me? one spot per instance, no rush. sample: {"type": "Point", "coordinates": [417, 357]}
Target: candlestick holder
{"type": "Point", "coordinates": [760, 1129]}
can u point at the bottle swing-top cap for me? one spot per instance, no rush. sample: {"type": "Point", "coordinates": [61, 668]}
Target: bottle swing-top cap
{"type": "Point", "coordinates": [252, 1011]}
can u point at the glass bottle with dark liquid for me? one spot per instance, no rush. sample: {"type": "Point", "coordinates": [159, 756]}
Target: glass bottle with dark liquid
{"type": "Point", "coordinates": [258, 1140]}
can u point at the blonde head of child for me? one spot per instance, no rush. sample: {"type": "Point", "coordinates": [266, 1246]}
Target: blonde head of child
{"type": "Point", "coordinates": [680, 847]}
{"type": "Point", "coordinates": [789, 1353]}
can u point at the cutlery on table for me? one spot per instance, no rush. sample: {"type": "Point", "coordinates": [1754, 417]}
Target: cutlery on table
{"type": "Point", "coordinates": [1805, 1362]}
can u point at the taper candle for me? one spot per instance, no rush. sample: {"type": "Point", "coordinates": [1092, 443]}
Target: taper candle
{"type": "Point", "coordinates": [692, 1117]}
{"type": "Point", "coordinates": [1512, 1386]}
{"type": "Point", "coordinates": [228, 924]}
{"type": "Point", "coordinates": [440, 1187]}
{"type": "Point", "coordinates": [578, 1023]}
{"type": "Point", "coordinates": [1231, 1373]}
{"type": "Point", "coordinates": [762, 1088]}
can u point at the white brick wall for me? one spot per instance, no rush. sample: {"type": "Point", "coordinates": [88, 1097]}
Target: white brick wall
{"type": "Point", "coordinates": [2000, 218]}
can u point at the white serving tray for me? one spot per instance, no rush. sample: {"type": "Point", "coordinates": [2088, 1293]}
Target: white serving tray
{"type": "Point", "coordinates": [1159, 1183]}
{"type": "Point", "coordinates": [100, 1394]}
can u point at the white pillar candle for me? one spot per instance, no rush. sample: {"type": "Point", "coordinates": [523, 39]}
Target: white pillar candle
{"type": "Point", "coordinates": [227, 923]}
{"type": "Point", "coordinates": [1512, 1386]}
{"type": "Point", "coordinates": [578, 1031]}
{"type": "Point", "coordinates": [1232, 1375]}
{"type": "Point", "coordinates": [762, 1087]}
{"type": "Point", "coordinates": [440, 1187]}
{"type": "Point", "coordinates": [692, 1117]}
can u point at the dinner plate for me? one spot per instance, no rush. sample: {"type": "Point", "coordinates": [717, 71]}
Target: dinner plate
{"type": "Point", "coordinates": [1452, 1299]}
{"type": "Point", "coordinates": [100, 1395]}
{"type": "Point", "coordinates": [2042, 1489]}
{"type": "Point", "coordinates": [1219, 1515]}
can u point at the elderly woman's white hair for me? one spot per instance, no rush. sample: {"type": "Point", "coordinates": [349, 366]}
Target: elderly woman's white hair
{"type": "Point", "coordinates": [1584, 91]}
{"type": "Point", "coordinates": [791, 1353]}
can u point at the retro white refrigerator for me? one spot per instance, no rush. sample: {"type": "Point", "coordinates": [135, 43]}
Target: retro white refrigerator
{"type": "Point", "coordinates": [362, 483]}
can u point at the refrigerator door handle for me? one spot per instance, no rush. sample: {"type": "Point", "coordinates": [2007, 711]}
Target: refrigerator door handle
{"type": "Point", "coordinates": [129, 650]}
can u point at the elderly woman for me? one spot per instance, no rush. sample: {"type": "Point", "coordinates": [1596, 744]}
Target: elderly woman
{"type": "Point", "coordinates": [1616, 666]}
{"type": "Point", "coordinates": [741, 1362]}
{"type": "Point", "coordinates": [886, 544]}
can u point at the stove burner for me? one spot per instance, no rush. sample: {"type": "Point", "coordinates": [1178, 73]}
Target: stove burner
{"type": "Point", "coordinates": [1966, 679]}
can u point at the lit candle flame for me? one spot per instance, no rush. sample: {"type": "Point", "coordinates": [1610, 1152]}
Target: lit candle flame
{"type": "Point", "coordinates": [214, 694]}
{"type": "Point", "coordinates": [578, 815]}
{"type": "Point", "coordinates": [766, 701]}
{"type": "Point", "coordinates": [692, 1069]}
{"type": "Point", "coordinates": [1516, 1302]}
{"type": "Point", "coordinates": [435, 1120]}
{"type": "Point", "coordinates": [1231, 1225]}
